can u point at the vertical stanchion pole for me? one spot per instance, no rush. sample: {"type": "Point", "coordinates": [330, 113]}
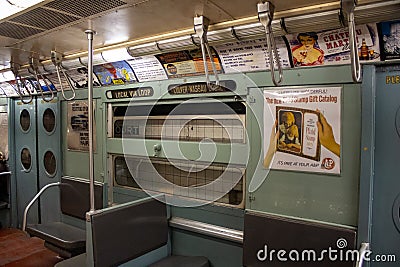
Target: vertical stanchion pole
{"type": "Point", "coordinates": [90, 34]}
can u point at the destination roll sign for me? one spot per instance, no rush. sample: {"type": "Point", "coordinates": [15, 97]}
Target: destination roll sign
{"type": "Point", "coordinates": [130, 93]}
{"type": "Point", "coordinates": [201, 88]}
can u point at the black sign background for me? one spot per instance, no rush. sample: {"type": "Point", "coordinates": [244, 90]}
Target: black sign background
{"type": "Point", "coordinates": [201, 88]}
{"type": "Point", "coordinates": [130, 93]}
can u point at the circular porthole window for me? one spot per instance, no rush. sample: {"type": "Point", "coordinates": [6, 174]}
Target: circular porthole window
{"type": "Point", "coordinates": [50, 164]}
{"type": "Point", "coordinates": [396, 212]}
{"type": "Point", "coordinates": [25, 120]}
{"type": "Point", "coordinates": [49, 120]}
{"type": "Point", "coordinates": [26, 159]}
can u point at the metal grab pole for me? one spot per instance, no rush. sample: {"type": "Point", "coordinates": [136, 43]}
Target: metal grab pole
{"type": "Point", "coordinates": [90, 34]}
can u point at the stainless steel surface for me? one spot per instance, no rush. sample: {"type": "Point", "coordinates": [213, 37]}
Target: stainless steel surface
{"type": "Point", "coordinates": [44, 188]}
{"type": "Point", "coordinates": [34, 63]}
{"type": "Point", "coordinates": [90, 34]}
{"type": "Point", "coordinates": [207, 229]}
{"type": "Point", "coordinates": [201, 28]}
{"type": "Point", "coordinates": [56, 58]}
{"type": "Point", "coordinates": [348, 7]}
{"type": "Point", "coordinates": [58, 25]}
{"type": "Point", "coordinates": [266, 15]}
{"type": "Point", "coordinates": [20, 82]}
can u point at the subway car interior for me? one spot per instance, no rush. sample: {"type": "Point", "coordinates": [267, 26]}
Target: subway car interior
{"type": "Point", "coordinates": [123, 123]}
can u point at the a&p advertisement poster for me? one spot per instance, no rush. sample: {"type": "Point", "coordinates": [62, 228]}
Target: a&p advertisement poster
{"type": "Point", "coordinates": [302, 129]}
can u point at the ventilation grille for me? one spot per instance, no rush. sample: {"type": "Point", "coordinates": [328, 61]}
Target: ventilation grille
{"type": "Point", "coordinates": [43, 18]}
{"type": "Point", "coordinates": [384, 11]}
{"type": "Point", "coordinates": [17, 31]}
{"type": "Point", "coordinates": [84, 8]}
{"type": "Point", "coordinates": [314, 22]}
{"type": "Point", "coordinates": [54, 14]}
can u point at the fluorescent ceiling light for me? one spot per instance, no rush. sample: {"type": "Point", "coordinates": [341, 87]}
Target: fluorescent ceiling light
{"type": "Point", "coordinates": [11, 7]}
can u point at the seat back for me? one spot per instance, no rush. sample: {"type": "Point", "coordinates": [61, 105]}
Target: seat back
{"type": "Point", "coordinates": [265, 235]}
{"type": "Point", "coordinates": [127, 231]}
{"type": "Point", "coordinates": [75, 197]}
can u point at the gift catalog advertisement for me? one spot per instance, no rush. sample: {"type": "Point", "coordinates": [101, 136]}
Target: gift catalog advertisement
{"type": "Point", "coordinates": [302, 129]}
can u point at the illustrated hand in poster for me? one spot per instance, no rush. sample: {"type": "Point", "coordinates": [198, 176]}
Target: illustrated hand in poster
{"type": "Point", "coordinates": [326, 136]}
{"type": "Point", "coordinates": [272, 147]}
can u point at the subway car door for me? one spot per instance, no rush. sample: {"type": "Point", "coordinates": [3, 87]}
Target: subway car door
{"type": "Point", "coordinates": [25, 143]}
{"type": "Point", "coordinates": [48, 157]}
{"type": "Point", "coordinates": [379, 221]}
{"type": "Point", "coordinates": [37, 158]}
{"type": "Point", "coordinates": [385, 232]}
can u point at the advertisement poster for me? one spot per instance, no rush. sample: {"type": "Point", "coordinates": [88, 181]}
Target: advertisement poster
{"type": "Point", "coordinates": [249, 56]}
{"type": "Point", "coordinates": [302, 129]}
{"type": "Point", "coordinates": [119, 72]}
{"type": "Point", "coordinates": [187, 63]}
{"type": "Point", "coordinates": [78, 78]}
{"type": "Point", "coordinates": [43, 85]}
{"type": "Point", "coordinates": [24, 86]}
{"type": "Point", "coordinates": [8, 89]}
{"type": "Point", "coordinates": [147, 68]}
{"type": "Point", "coordinates": [78, 126]}
{"type": "Point", "coordinates": [332, 47]}
{"type": "Point", "coordinates": [390, 33]}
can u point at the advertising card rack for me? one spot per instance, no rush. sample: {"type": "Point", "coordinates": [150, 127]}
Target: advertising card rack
{"type": "Point", "coordinates": [181, 137]}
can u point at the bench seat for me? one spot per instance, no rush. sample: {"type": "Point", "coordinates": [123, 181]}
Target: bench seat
{"type": "Point", "coordinates": [67, 239]}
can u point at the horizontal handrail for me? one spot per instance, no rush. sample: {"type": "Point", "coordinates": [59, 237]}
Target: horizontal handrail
{"type": "Point", "coordinates": [33, 201]}
{"type": "Point", "coordinates": [207, 229]}
{"type": "Point", "coordinates": [4, 173]}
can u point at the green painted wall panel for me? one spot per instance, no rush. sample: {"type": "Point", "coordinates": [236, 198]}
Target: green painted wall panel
{"type": "Point", "coordinates": [321, 197]}
{"type": "Point", "coordinates": [76, 163]}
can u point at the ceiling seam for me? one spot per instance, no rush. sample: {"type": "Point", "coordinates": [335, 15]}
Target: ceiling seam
{"type": "Point", "coordinates": [62, 12]}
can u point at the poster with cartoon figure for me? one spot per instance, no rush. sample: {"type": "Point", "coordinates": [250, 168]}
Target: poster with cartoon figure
{"type": "Point", "coordinates": [332, 47]}
{"type": "Point", "coordinates": [302, 129]}
{"type": "Point", "coordinates": [119, 72]}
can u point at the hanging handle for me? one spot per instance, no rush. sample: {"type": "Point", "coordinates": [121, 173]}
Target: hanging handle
{"type": "Point", "coordinates": [56, 58]}
{"type": "Point", "coordinates": [265, 16]}
{"type": "Point", "coordinates": [348, 7]}
{"type": "Point", "coordinates": [201, 27]}
{"type": "Point", "coordinates": [18, 79]}
{"type": "Point", "coordinates": [34, 63]}
{"type": "Point", "coordinates": [362, 252]}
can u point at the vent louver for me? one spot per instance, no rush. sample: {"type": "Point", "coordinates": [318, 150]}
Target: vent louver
{"type": "Point", "coordinates": [84, 8]}
{"type": "Point", "coordinates": [54, 14]}
{"type": "Point", "coordinates": [17, 31]}
{"type": "Point", "coordinates": [43, 18]}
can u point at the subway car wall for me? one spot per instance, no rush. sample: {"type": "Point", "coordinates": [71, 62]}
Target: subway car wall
{"type": "Point", "coordinates": [251, 174]}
